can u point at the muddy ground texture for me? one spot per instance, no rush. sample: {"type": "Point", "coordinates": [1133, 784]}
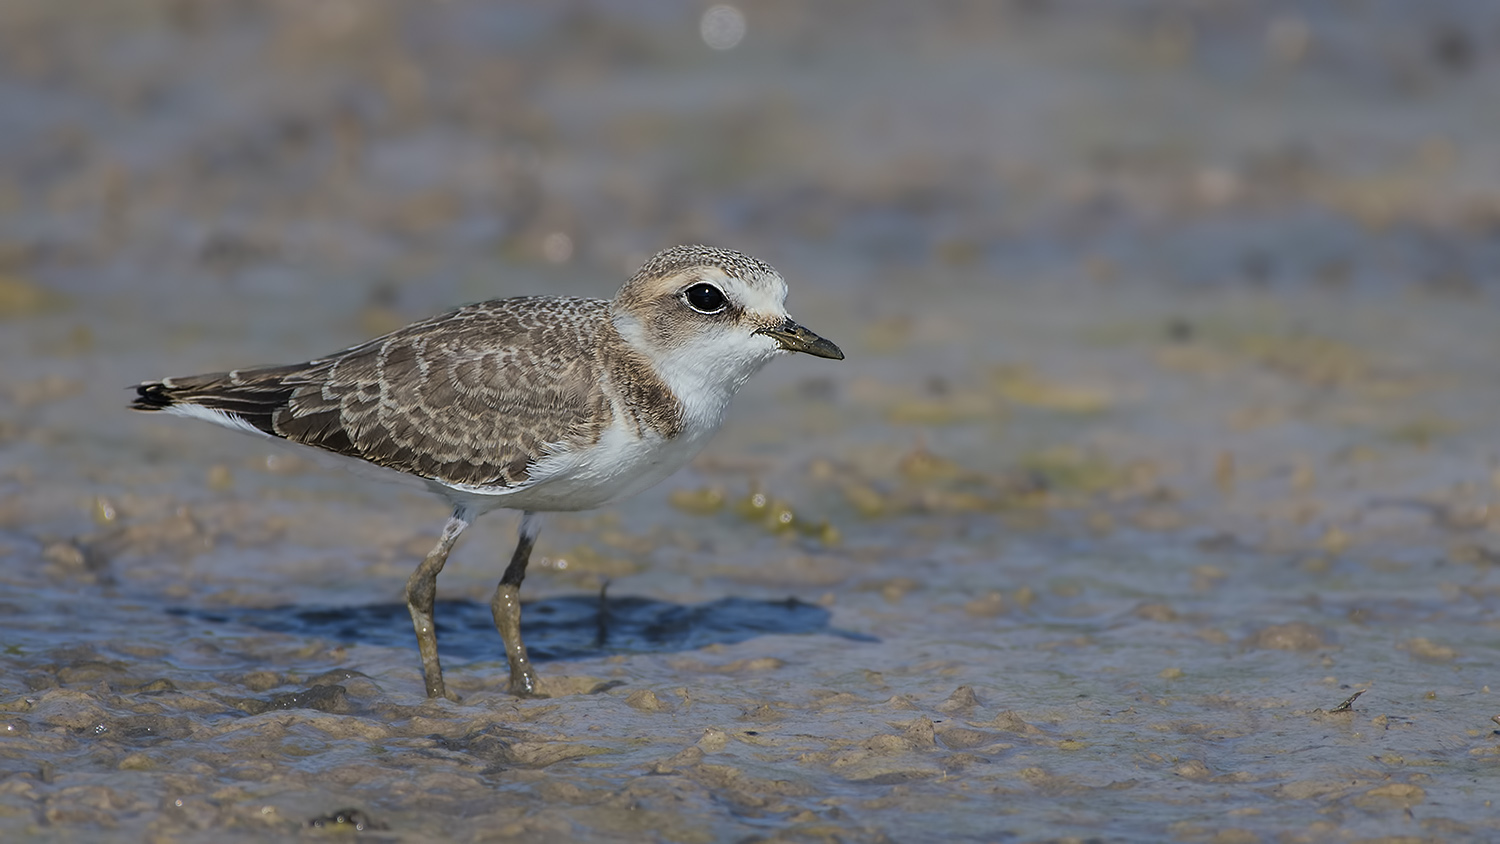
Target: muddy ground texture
{"type": "Point", "coordinates": [1156, 499]}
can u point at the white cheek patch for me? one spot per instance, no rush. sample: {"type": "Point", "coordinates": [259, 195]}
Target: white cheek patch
{"type": "Point", "coordinates": [707, 371]}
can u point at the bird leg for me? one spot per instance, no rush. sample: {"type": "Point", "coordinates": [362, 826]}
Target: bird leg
{"type": "Point", "coordinates": [421, 591]}
{"type": "Point", "coordinates": [506, 606]}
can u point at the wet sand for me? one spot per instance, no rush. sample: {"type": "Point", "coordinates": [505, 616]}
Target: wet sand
{"type": "Point", "coordinates": [1156, 499]}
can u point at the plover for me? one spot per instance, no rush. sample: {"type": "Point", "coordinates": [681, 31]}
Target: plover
{"type": "Point", "coordinates": [536, 403]}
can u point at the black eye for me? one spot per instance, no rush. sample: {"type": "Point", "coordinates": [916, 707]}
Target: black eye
{"type": "Point", "coordinates": [704, 298]}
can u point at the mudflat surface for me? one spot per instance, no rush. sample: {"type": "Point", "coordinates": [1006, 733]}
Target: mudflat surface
{"type": "Point", "coordinates": [1156, 499]}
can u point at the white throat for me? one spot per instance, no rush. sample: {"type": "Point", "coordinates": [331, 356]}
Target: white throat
{"type": "Point", "coordinates": [705, 371]}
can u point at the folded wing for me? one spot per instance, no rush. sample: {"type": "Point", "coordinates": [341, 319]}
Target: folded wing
{"type": "Point", "coordinates": [472, 397]}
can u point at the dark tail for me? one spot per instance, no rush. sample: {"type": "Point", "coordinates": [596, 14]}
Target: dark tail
{"type": "Point", "coordinates": [152, 395]}
{"type": "Point", "coordinates": [253, 395]}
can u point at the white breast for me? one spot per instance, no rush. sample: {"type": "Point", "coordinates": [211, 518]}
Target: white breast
{"type": "Point", "coordinates": [620, 464]}
{"type": "Point", "coordinates": [704, 371]}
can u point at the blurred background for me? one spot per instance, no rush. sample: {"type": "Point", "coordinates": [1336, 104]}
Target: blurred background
{"type": "Point", "coordinates": [1169, 419]}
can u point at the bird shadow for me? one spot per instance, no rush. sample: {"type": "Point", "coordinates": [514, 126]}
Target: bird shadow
{"type": "Point", "coordinates": [565, 627]}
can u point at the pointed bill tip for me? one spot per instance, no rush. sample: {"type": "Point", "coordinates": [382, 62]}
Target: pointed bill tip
{"type": "Point", "coordinates": [794, 338]}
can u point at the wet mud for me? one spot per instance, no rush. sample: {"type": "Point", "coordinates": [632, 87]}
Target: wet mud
{"type": "Point", "coordinates": [1155, 500]}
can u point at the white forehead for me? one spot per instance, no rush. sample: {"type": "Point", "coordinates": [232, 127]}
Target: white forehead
{"type": "Point", "coordinates": [752, 284]}
{"type": "Point", "coordinates": [763, 293]}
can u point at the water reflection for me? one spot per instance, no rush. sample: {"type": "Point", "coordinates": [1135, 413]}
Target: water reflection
{"type": "Point", "coordinates": [567, 627]}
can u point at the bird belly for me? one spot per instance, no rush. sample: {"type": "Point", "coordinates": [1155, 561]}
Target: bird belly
{"type": "Point", "coordinates": [621, 463]}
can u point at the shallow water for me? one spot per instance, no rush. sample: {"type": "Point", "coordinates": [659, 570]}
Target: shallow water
{"type": "Point", "coordinates": [1168, 424]}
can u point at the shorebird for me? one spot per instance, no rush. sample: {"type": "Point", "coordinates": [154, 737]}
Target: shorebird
{"type": "Point", "coordinates": [536, 403]}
